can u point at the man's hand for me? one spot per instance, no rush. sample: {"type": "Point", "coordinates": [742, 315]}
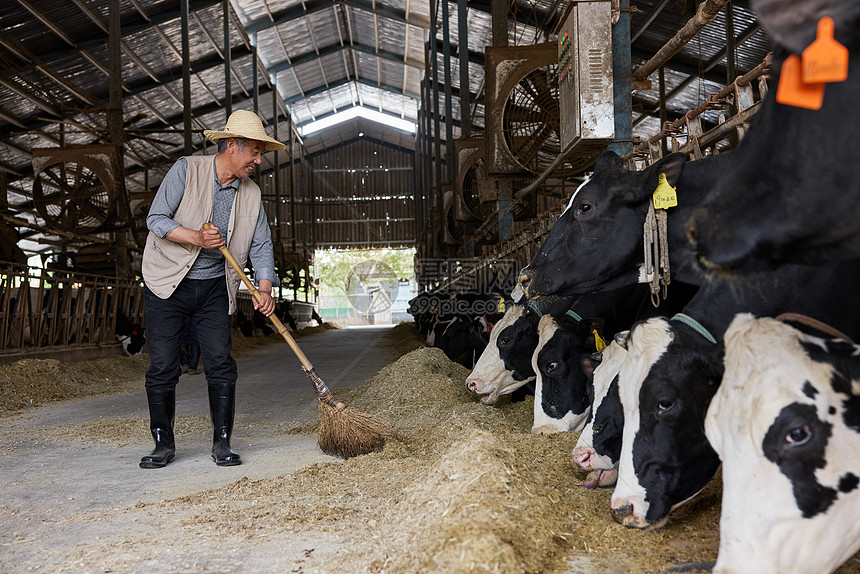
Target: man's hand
{"type": "Point", "coordinates": [210, 238]}
{"type": "Point", "coordinates": [266, 305]}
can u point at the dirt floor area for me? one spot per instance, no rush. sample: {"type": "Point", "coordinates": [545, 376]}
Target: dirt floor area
{"type": "Point", "coordinates": [465, 487]}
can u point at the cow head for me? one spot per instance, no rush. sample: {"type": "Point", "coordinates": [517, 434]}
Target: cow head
{"type": "Point", "coordinates": [505, 365]}
{"type": "Point", "coordinates": [666, 383]}
{"type": "Point", "coordinates": [596, 244]}
{"type": "Point", "coordinates": [599, 446]}
{"type": "Point", "coordinates": [561, 364]}
{"type": "Point", "coordinates": [759, 214]}
{"type": "Point", "coordinates": [786, 423]}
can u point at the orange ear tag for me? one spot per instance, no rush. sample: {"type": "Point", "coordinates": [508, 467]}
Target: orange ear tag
{"type": "Point", "coordinates": [791, 90]}
{"type": "Point", "coordinates": [825, 60]}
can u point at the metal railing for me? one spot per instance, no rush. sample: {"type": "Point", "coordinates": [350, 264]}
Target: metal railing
{"type": "Point", "coordinates": [43, 309]}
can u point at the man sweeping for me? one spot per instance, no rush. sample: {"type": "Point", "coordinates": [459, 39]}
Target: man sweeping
{"type": "Point", "coordinates": [186, 275]}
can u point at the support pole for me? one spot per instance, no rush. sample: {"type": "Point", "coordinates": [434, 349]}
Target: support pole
{"type": "Point", "coordinates": [463, 52]}
{"type": "Point", "coordinates": [622, 84]}
{"type": "Point", "coordinates": [449, 126]}
{"type": "Point", "coordinates": [186, 78]}
{"type": "Point", "coordinates": [228, 90]}
{"type": "Point", "coordinates": [276, 172]}
{"type": "Point", "coordinates": [117, 136]}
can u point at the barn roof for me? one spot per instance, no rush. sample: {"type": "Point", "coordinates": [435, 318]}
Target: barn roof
{"type": "Point", "coordinates": [306, 60]}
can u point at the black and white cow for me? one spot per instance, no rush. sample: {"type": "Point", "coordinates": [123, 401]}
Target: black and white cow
{"type": "Point", "coordinates": [786, 424]}
{"type": "Point", "coordinates": [597, 243]}
{"type": "Point", "coordinates": [672, 370]}
{"type": "Point", "coordinates": [793, 193]}
{"type": "Point", "coordinates": [599, 445]}
{"type": "Point", "coordinates": [463, 324]}
{"type": "Point", "coordinates": [423, 309]}
{"type": "Point", "coordinates": [562, 366]}
{"type": "Point", "coordinates": [666, 384]}
{"type": "Point", "coordinates": [505, 364]}
{"type": "Point", "coordinates": [131, 335]}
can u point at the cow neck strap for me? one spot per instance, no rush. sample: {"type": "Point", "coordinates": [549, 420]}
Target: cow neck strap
{"type": "Point", "coordinates": [533, 307]}
{"type": "Point", "coordinates": [814, 324]}
{"type": "Point", "coordinates": [695, 325]}
{"type": "Point", "coordinates": [576, 316]}
{"type": "Point", "coordinates": [656, 247]}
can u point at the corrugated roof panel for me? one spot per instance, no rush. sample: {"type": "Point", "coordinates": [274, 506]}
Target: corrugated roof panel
{"type": "Point", "coordinates": [390, 34]}
{"type": "Point", "coordinates": [369, 66]}
{"type": "Point", "coordinates": [480, 30]}
{"type": "Point", "coordinates": [249, 11]}
{"type": "Point", "coordinates": [319, 72]}
{"type": "Point", "coordinates": [370, 96]}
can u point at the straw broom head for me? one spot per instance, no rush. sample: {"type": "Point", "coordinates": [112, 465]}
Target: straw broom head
{"type": "Point", "coordinates": [345, 431]}
{"type": "Point", "coordinates": [349, 432]}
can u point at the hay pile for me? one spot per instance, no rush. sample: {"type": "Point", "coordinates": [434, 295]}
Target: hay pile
{"type": "Point", "coordinates": [29, 383]}
{"type": "Point", "coordinates": [468, 489]}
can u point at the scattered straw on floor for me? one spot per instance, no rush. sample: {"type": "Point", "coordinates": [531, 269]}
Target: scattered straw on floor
{"type": "Point", "coordinates": [466, 488]}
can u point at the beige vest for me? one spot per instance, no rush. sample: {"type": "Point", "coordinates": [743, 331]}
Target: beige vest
{"type": "Point", "coordinates": [166, 263]}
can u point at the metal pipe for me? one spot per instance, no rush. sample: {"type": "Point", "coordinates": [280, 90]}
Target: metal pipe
{"type": "Point", "coordinates": [463, 51]}
{"type": "Point", "coordinates": [449, 107]}
{"type": "Point", "coordinates": [186, 78]}
{"type": "Point", "coordinates": [705, 14]}
{"type": "Point", "coordinates": [228, 90]}
{"type": "Point", "coordinates": [621, 84]}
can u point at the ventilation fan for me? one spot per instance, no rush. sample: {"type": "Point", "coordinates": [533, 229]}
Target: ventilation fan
{"type": "Point", "coordinates": [530, 120]}
{"type": "Point", "coordinates": [73, 187]}
{"type": "Point", "coordinates": [139, 229]}
{"type": "Point", "coordinates": [467, 193]}
{"type": "Point", "coordinates": [522, 108]}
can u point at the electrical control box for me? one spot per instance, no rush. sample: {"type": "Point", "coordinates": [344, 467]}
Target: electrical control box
{"type": "Point", "coordinates": [585, 78]}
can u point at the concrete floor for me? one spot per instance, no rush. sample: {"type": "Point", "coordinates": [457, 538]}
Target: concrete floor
{"type": "Point", "coordinates": [46, 482]}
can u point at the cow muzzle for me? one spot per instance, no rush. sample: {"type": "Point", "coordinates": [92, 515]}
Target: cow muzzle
{"type": "Point", "coordinates": [489, 394]}
{"type": "Point", "coordinates": [624, 512]}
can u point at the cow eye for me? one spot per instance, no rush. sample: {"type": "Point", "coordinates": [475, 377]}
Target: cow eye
{"type": "Point", "coordinates": [550, 367]}
{"type": "Point", "coordinates": [664, 405]}
{"type": "Point", "coordinates": [798, 436]}
{"type": "Point", "coordinates": [583, 208]}
{"type": "Point", "coordinates": [504, 340]}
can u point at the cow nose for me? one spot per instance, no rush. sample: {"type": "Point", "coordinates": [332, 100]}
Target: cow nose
{"type": "Point", "coordinates": [525, 280]}
{"type": "Point", "coordinates": [472, 384]}
{"type": "Point", "coordinates": [582, 457]}
{"type": "Point", "coordinates": [622, 514]}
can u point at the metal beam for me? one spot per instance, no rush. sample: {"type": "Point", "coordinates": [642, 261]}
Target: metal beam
{"type": "Point", "coordinates": [306, 8]}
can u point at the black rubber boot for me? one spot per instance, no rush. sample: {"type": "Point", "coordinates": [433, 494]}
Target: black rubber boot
{"type": "Point", "coordinates": [222, 405]}
{"type": "Point", "coordinates": [162, 411]}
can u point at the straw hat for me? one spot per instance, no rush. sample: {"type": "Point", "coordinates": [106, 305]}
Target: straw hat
{"type": "Point", "coordinates": [245, 124]}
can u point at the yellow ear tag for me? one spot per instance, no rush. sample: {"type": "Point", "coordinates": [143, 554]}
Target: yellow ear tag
{"type": "Point", "coordinates": [665, 196]}
{"type": "Point", "coordinates": [599, 342]}
{"type": "Point", "coordinates": [825, 60]}
{"type": "Point", "coordinates": [501, 307]}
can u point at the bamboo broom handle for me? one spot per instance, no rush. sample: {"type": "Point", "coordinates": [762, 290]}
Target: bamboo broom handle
{"type": "Point", "coordinates": [306, 364]}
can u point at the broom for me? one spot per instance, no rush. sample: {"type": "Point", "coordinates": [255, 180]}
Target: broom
{"type": "Point", "coordinates": [344, 431]}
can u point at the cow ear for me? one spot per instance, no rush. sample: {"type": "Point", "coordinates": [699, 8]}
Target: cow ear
{"type": "Point", "coordinates": [672, 165]}
{"type": "Point", "coordinates": [589, 324]}
{"type": "Point", "coordinates": [714, 366]}
{"type": "Point", "coordinates": [608, 161]}
{"type": "Point", "coordinates": [588, 364]}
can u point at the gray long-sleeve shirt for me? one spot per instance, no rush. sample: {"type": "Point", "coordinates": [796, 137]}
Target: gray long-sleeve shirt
{"type": "Point", "coordinates": [210, 262]}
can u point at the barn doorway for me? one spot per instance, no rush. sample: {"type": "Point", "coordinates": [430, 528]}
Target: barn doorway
{"type": "Point", "coordinates": [365, 286]}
